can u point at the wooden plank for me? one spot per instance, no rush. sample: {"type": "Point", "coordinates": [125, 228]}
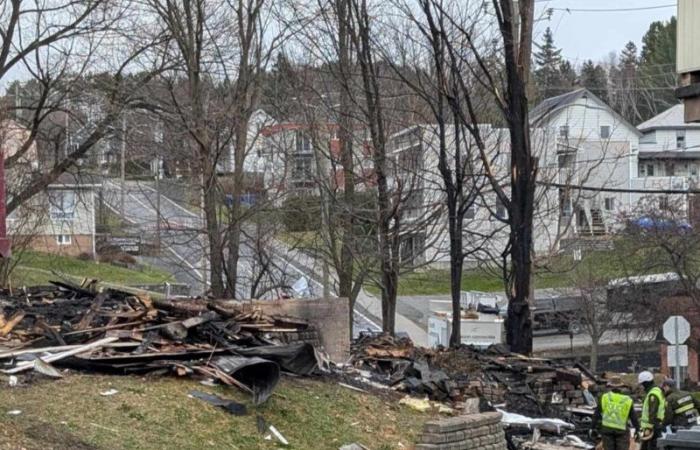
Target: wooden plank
{"type": "Point", "coordinates": [58, 356]}
{"type": "Point", "coordinates": [90, 314]}
{"type": "Point", "coordinates": [14, 320]}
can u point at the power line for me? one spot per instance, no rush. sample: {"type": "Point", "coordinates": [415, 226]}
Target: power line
{"type": "Point", "coordinates": [640, 8]}
{"type": "Point", "coordinates": [617, 190]}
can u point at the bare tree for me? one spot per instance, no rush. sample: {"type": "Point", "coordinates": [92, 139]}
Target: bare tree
{"type": "Point", "coordinates": [593, 313]}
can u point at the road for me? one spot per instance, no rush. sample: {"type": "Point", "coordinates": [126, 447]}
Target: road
{"type": "Point", "coordinates": [183, 256]}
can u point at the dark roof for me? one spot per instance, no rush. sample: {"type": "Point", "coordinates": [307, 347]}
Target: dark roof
{"type": "Point", "coordinates": [670, 154]}
{"type": "Point", "coordinates": [551, 104]}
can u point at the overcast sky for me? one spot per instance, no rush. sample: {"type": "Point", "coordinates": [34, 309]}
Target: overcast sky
{"type": "Point", "coordinates": [594, 34]}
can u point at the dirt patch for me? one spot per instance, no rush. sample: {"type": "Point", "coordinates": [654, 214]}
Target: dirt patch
{"type": "Point", "coordinates": [39, 435]}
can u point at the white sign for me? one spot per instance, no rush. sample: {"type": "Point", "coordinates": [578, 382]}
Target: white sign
{"type": "Point", "coordinates": [682, 355]}
{"type": "Point", "coordinates": [676, 330]}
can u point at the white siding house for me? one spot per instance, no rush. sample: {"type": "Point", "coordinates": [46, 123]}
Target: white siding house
{"type": "Point", "coordinates": [588, 159]}
{"type": "Point", "coordinates": [669, 146]}
{"type": "Point", "coordinates": [60, 219]}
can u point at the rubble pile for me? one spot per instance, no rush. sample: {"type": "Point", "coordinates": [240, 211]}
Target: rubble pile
{"type": "Point", "coordinates": [532, 387]}
{"type": "Point", "coordinates": [111, 331]}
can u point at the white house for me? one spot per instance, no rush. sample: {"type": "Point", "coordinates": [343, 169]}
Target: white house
{"type": "Point", "coordinates": [588, 178]}
{"type": "Point", "coordinates": [255, 160]}
{"type": "Point", "coordinates": [669, 146]}
{"type": "Point", "coordinates": [60, 219]}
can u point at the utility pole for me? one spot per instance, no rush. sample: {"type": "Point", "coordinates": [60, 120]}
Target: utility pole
{"type": "Point", "coordinates": [158, 162]}
{"type": "Point", "coordinates": [123, 164]}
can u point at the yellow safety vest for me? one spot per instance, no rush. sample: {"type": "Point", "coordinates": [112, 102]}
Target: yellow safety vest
{"type": "Point", "coordinates": [660, 412]}
{"type": "Point", "coordinates": [615, 410]}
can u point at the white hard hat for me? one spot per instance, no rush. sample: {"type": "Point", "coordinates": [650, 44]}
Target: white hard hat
{"type": "Point", "coordinates": [645, 376]}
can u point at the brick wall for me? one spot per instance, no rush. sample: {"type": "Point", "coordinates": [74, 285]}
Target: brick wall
{"type": "Point", "coordinates": [330, 317]}
{"type": "Point", "coordinates": [80, 243]}
{"type": "Point", "coordinates": [693, 364]}
{"type": "Point", "coordinates": [470, 432]}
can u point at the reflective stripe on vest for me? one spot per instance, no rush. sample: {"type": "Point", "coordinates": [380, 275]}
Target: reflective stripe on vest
{"type": "Point", "coordinates": [615, 410]}
{"type": "Point", "coordinates": [660, 412]}
{"type": "Point", "coordinates": [685, 404]}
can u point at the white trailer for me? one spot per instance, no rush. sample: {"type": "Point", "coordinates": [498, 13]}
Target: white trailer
{"type": "Point", "coordinates": [483, 331]}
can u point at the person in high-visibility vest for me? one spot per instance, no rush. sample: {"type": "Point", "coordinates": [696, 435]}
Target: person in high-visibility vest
{"type": "Point", "coordinates": [682, 408]}
{"type": "Point", "coordinates": [653, 411]}
{"type": "Point", "coordinates": [613, 417]}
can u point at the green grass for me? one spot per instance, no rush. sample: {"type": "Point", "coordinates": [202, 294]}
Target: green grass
{"type": "Point", "coordinates": [300, 239]}
{"type": "Point", "coordinates": [35, 268]}
{"type": "Point", "coordinates": [156, 413]}
{"type": "Point", "coordinates": [559, 272]}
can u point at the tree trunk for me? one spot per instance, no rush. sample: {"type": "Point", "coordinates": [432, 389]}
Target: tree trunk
{"type": "Point", "coordinates": [211, 203]}
{"type": "Point", "coordinates": [518, 48]}
{"type": "Point", "coordinates": [345, 271]}
{"type": "Point", "coordinates": [456, 263]}
{"type": "Point", "coordinates": [595, 342]}
{"type": "Point", "coordinates": [233, 232]}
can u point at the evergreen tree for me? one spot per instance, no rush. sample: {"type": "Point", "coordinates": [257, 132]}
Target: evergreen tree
{"type": "Point", "coordinates": [595, 79]}
{"type": "Point", "coordinates": [548, 65]}
{"type": "Point", "coordinates": [567, 75]}
{"type": "Point", "coordinates": [623, 77]}
{"type": "Point", "coordinates": [656, 75]}
{"type": "Point", "coordinates": [279, 85]}
{"type": "Point", "coordinates": [629, 61]}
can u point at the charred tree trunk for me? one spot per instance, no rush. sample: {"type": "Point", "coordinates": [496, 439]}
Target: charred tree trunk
{"type": "Point", "coordinates": [516, 29]}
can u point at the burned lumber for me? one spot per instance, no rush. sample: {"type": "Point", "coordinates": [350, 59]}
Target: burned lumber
{"type": "Point", "coordinates": [120, 332]}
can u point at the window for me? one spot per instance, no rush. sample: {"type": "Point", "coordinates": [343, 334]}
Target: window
{"type": "Point", "coordinates": [302, 168]}
{"type": "Point", "coordinates": [565, 203]}
{"type": "Point", "coordinates": [693, 170]}
{"type": "Point", "coordinates": [303, 143]}
{"type": "Point", "coordinates": [648, 138]}
{"type": "Point", "coordinates": [605, 131]}
{"type": "Point", "coordinates": [567, 160]}
{"type": "Point", "coordinates": [680, 139]}
{"type": "Point", "coordinates": [62, 205]}
{"type": "Point", "coordinates": [471, 212]}
{"type": "Point", "coordinates": [670, 169]}
{"type": "Point", "coordinates": [564, 131]}
{"type": "Point", "coordinates": [63, 239]}
{"type": "Point", "coordinates": [650, 170]}
{"type": "Point", "coordinates": [500, 209]}
{"type": "Point", "coordinates": [609, 203]}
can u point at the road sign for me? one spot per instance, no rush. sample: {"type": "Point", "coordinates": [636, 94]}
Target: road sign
{"type": "Point", "coordinates": [676, 330]}
{"type": "Point", "coordinates": [680, 351]}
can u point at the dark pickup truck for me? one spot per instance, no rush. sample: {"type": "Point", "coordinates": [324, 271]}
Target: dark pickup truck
{"type": "Point", "coordinates": [558, 313]}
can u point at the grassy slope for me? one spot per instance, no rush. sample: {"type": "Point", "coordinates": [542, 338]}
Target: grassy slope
{"type": "Point", "coordinates": [559, 273]}
{"type": "Point", "coordinates": [35, 268]}
{"type": "Point", "coordinates": [157, 414]}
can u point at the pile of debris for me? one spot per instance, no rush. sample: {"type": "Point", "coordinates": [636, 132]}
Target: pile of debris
{"type": "Point", "coordinates": [533, 387]}
{"type": "Point", "coordinates": [112, 331]}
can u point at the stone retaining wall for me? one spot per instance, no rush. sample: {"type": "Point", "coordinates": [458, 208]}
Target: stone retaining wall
{"type": "Point", "coordinates": [471, 432]}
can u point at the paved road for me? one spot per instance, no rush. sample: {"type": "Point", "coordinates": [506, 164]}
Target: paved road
{"type": "Point", "coordinates": [183, 244]}
{"type": "Point", "coordinates": [181, 237]}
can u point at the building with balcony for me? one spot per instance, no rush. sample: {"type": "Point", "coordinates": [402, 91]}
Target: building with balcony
{"type": "Point", "coordinates": [669, 146]}
{"type": "Point", "coordinates": [589, 178]}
